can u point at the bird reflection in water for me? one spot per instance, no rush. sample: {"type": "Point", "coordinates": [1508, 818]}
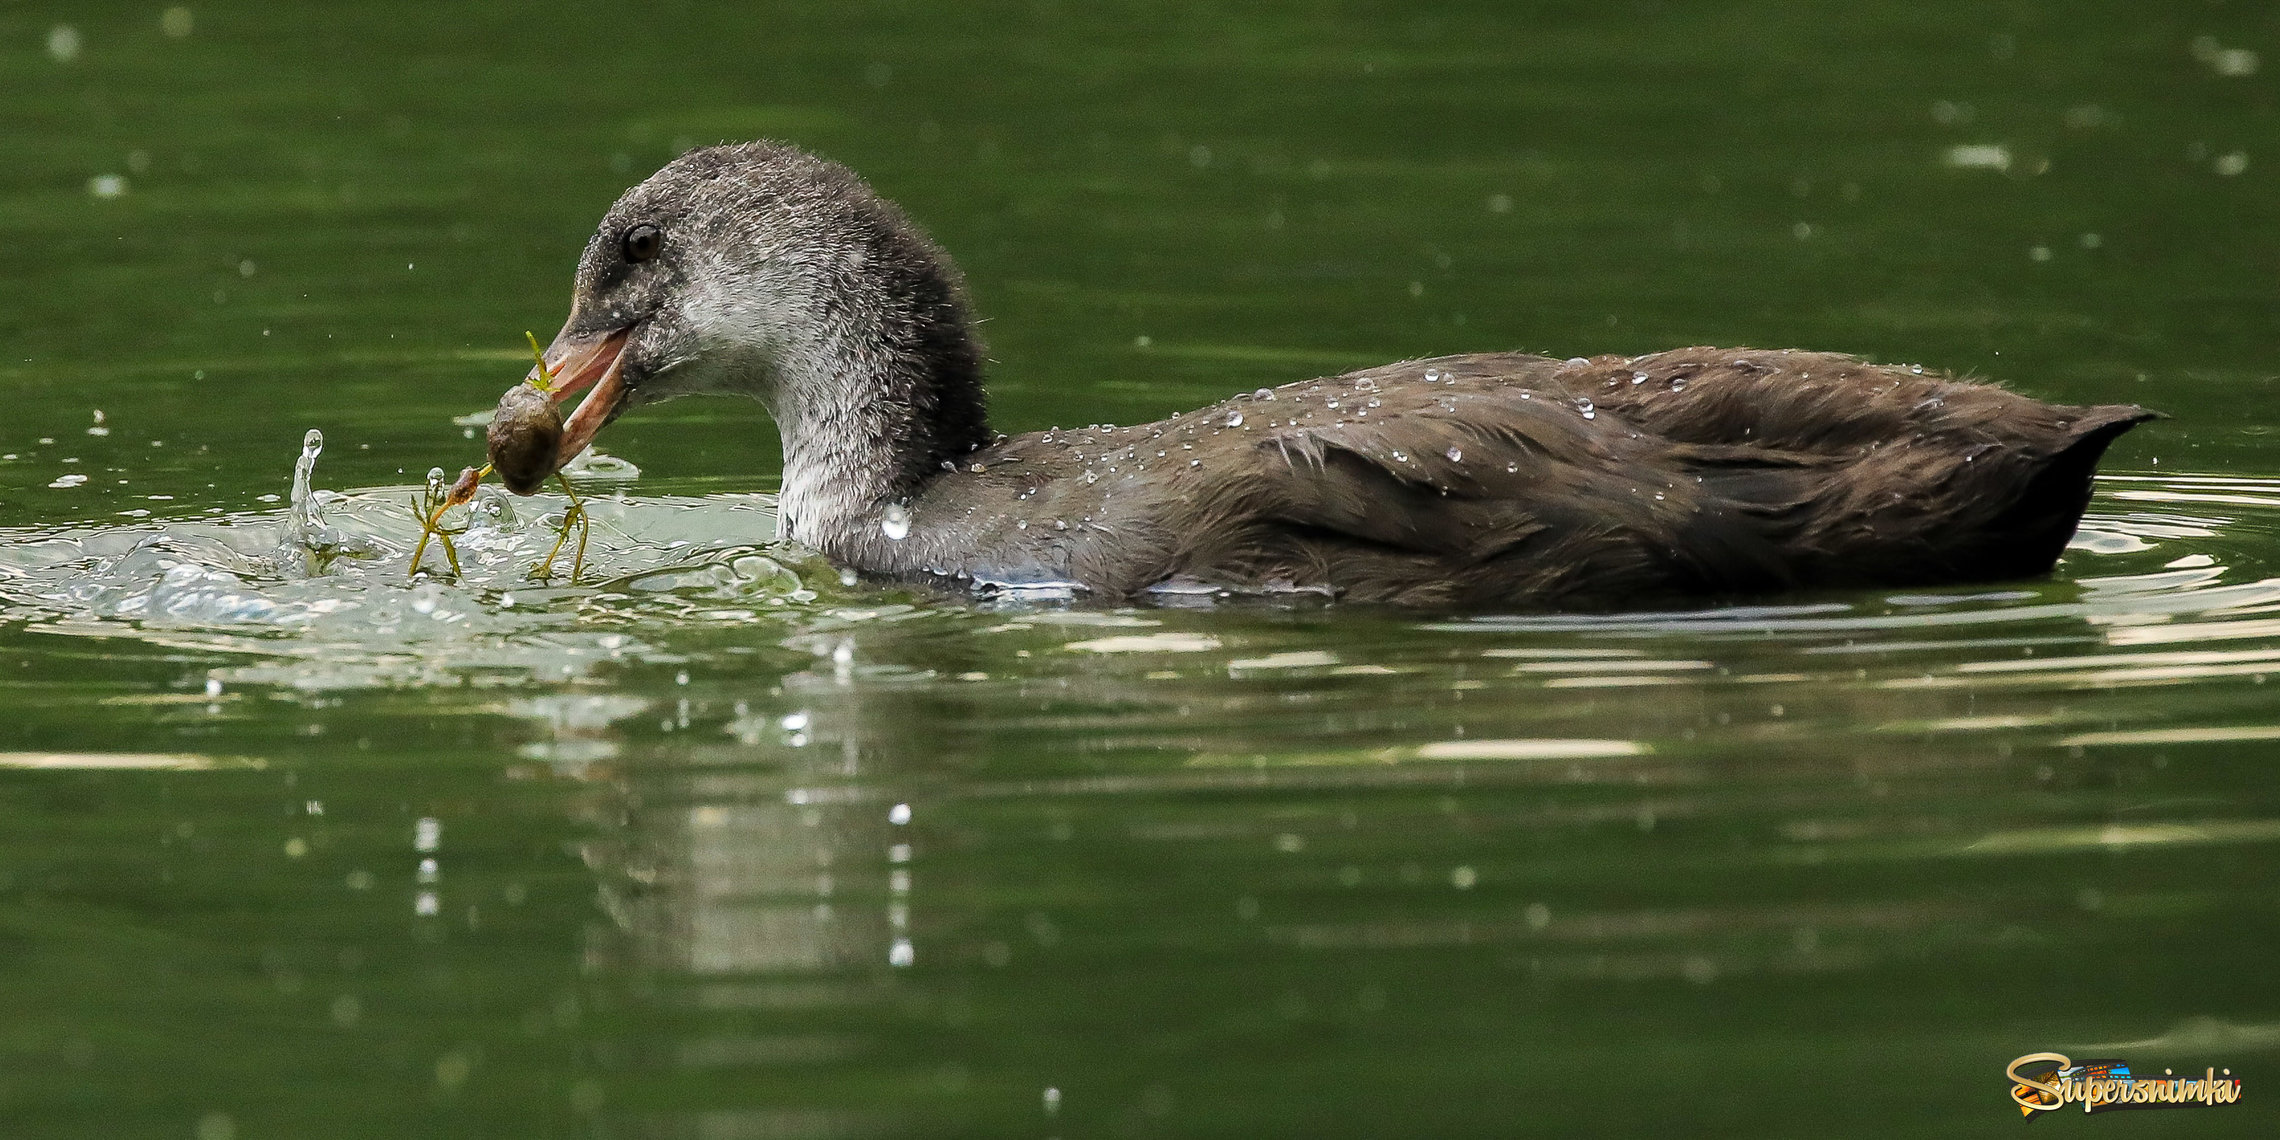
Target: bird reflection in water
{"type": "Point", "coordinates": [747, 884]}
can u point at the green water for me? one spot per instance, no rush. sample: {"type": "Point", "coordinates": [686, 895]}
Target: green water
{"type": "Point", "coordinates": [720, 849]}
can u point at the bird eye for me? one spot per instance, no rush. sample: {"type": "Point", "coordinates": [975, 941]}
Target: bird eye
{"type": "Point", "coordinates": [642, 242]}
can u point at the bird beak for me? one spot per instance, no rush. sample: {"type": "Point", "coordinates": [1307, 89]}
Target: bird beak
{"type": "Point", "coordinates": [580, 360]}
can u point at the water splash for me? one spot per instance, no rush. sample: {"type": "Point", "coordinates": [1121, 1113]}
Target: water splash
{"type": "Point", "coordinates": [313, 596]}
{"type": "Point", "coordinates": [304, 474]}
{"type": "Point", "coordinates": [316, 544]}
{"type": "Point", "coordinates": [894, 522]}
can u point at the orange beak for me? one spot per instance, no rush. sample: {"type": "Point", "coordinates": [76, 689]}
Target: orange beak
{"type": "Point", "coordinates": [578, 362]}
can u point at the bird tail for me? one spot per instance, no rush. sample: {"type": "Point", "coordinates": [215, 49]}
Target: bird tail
{"type": "Point", "coordinates": [2029, 534]}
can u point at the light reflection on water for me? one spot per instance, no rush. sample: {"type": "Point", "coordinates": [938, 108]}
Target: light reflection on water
{"type": "Point", "coordinates": [880, 837]}
{"type": "Point", "coordinates": [2140, 585]}
{"type": "Point", "coordinates": [1810, 867]}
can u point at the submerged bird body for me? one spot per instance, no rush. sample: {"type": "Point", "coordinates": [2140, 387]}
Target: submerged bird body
{"type": "Point", "coordinates": [1494, 479]}
{"type": "Point", "coordinates": [1490, 479]}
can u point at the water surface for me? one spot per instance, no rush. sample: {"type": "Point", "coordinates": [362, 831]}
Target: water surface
{"type": "Point", "coordinates": [713, 844]}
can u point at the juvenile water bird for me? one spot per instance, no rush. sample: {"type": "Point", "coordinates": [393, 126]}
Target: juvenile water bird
{"type": "Point", "coordinates": [1494, 479]}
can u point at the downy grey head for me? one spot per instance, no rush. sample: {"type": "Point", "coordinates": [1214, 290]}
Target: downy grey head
{"type": "Point", "coordinates": [758, 269]}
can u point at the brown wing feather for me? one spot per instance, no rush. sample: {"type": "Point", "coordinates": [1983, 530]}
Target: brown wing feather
{"type": "Point", "coordinates": [1511, 479]}
{"type": "Point", "coordinates": [1698, 471]}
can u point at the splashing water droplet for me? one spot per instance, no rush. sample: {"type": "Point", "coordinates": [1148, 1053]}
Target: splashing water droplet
{"type": "Point", "coordinates": [1400, 456]}
{"type": "Point", "coordinates": [312, 445]}
{"type": "Point", "coordinates": [1638, 377]}
{"type": "Point", "coordinates": [1263, 394]}
{"type": "Point", "coordinates": [1678, 384]}
{"type": "Point", "coordinates": [1234, 419]}
{"type": "Point", "coordinates": [302, 504]}
{"type": "Point", "coordinates": [1585, 406]}
{"type": "Point", "coordinates": [894, 522]}
{"type": "Point", "coordinates": [1456, 455]}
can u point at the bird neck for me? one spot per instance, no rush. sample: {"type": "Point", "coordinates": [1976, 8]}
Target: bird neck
{"type": "Point", "coordinates": [868, 415]}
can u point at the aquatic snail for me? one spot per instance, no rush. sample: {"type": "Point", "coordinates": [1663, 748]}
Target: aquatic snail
{"type": "Point", "coordinates": [522, 440]}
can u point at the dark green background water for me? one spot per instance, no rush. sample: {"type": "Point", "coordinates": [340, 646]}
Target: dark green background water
{"type": "Point", "coordinates": [1817, 869]}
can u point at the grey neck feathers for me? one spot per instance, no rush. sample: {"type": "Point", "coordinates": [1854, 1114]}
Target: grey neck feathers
{"type": "Point", "coordinates": [872, 410]}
